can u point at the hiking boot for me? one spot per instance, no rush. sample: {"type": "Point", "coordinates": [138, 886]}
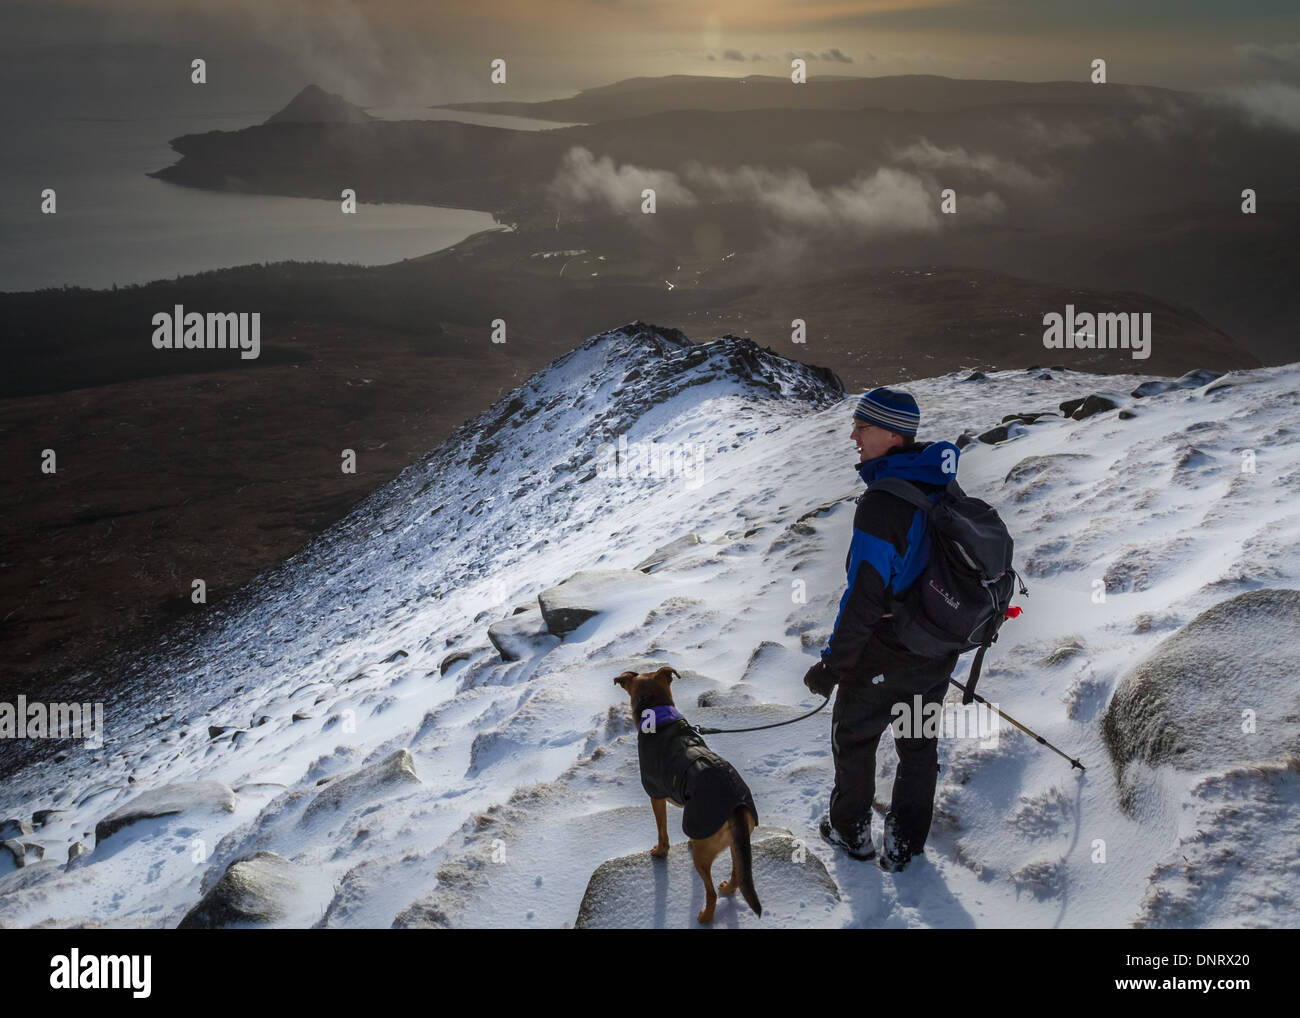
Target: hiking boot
{"type": "Point", "coordinates": [893, 857]}
{"type": "Point", "coordinates": [892, 864]}
{"type": "Point", "coordinates": [859, 847]}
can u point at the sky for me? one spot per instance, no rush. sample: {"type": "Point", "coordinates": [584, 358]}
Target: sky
{"type": "Point", "coordinates": [385, 51]}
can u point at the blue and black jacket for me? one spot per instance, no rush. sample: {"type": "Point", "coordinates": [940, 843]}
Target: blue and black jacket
{"type": "Point", "coordinates": [890, 547]}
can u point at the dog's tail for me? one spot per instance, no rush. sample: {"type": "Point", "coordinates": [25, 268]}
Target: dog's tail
{"type": "Point", "coordinates": [739, 821]}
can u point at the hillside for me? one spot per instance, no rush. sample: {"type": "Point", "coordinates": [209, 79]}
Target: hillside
{"type": "Point", "coordinates": [390, 711]}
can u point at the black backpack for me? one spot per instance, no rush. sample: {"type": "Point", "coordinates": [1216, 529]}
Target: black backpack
{"type": "Point", "coordinates": [960, 599]}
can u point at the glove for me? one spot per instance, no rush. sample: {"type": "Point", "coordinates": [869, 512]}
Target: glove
{"type": "Point", "coordinates": [820, 679]}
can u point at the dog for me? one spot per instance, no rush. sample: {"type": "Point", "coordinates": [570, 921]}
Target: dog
{"type": "Point", "coordinates": [718, 810]}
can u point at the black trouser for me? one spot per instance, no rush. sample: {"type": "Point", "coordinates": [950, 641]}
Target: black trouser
{"type": "Point", "coordinates": [862, 712]}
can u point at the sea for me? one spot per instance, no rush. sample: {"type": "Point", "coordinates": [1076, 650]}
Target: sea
{"type": "Point", "coordinates": [115, 225]}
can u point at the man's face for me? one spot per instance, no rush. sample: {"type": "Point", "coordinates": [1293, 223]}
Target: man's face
{"type": "Point", "coordinates": [872, 441]}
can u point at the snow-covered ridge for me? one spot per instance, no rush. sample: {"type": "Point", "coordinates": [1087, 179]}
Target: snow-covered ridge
{"type": "Point", "coordinates": [370, 650]}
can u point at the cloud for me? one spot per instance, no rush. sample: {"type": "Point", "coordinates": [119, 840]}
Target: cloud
{"type": "Point", "coordinates": [888, 200]}
{"type": "Point", "coordinates": [1270, 103]}
{"type": "Point", "coordinates": [834, 55]}
{"type": "Point", "coordinates": [584, 180]}
{"type": "Point", "coordinates": [1066, 136]}
{"type": "Point", "coordinates": [926, 155]}
{"type": "Point", "coordinates": [735, 54]}
{"type": "Point", "coordinates": [1283, 58]}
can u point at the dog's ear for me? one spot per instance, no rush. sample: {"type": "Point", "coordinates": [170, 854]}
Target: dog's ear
{"type": "Point", "coordinates": [667, 674]}
{"type": "Point", "coordinates": [624, 679]}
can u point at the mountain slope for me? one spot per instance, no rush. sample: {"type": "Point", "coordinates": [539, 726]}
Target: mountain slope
{"type": "Point", "coordinates": [374, 737]}
{"type": "Point", "coordinates": [313, 105]}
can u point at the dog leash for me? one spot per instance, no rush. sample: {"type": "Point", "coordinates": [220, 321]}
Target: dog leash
{"type": "Point", "coordinates": [757, 728]}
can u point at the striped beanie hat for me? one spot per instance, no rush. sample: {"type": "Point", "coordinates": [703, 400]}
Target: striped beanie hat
{"type": "Point", "coordinates": [891, 409]}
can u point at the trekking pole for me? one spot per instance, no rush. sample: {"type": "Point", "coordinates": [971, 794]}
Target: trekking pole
{"type": "Point", "coordinates": [1006, 717]}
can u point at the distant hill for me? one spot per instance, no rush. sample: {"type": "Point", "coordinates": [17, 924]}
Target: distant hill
{"type": "Point", "coordinates": [313, 105]}
{"type": "Point", "coordinates": [928, 93]}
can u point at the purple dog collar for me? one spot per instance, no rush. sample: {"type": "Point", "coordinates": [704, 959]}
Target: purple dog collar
{"type": "Point", "coordinates": [664, 714]}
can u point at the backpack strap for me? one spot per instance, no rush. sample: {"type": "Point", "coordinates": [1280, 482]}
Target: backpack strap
{"type": "Point", "coordinates": [969, 695]}
{"type": "Point", "coordinates": [906, 490]}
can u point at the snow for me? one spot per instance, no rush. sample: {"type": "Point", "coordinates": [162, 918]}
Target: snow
{"type": "Point", "coordinates": [525, 771]}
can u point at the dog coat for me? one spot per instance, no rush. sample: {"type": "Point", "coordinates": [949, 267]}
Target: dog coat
{"type": "Point", "coordinates": [677, 765]}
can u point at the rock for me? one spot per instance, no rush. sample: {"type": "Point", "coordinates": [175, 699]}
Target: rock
{"type": "Point", "coordinates": [301, 715]}
{"type": "Point", "coordinates": [22, 888]}
{"type": "Point", "coordinates": [1037, 473]}
{"type": "Point", "coordinates": [736, 696]}
{"type": "Point", "coordinates": [1043, 878]}
{"type": "Point", "coordinates": [252, 892]}
{"type": "Point", "coordinates": [1070, 648]}
{"type": "Point", "coordinates": [368, 783]}
{"type": "Point", "coordinates": [23, 852]}
{"type": "Point", "coordinates": [1191, 380]}
{"type": "Point", "coordinates": [1182, 704]}
{"type": "Point", "coordinates": [1003, 433]}
{"type": "Point", "coordinates": [1069, 406]}
{"type": "Point", "coordinates": [821, 510]}
{"type": "Point", "coordinates": [1196, 378]}
{"type": "Point", "coordinates": [451, 659]}
{"type": "Point", "coordinates": [396, 655]}
{"type": "Point", "coordinates": [1028, 418]}
{"type": "Point", "coordinates": [14, 828]}
{"type": "Point", "coordinates": [975, 376]}
{"type": "Point", "coordinates": [42, 816]}
{"type": "Point", "coordinates": [1236, 378]}
{"type": "Point", "coordinates": [180, 797]}
{"type": "Point", "coordinates": [1126, 415]}
{"type": "Point", "coordinates": [668, 551]}
{"type": "Point", "coordinates": [1092, 404]}
{"type": "Point", "coordinates": [963, 440]}
{"type": "Point", "coordinates": [1236, 865]}
{"type": "Point", "coordinates": [75, 851]}
{"type": "Point", "coordinates": [641, 892]}
{"type": "Point", "coordinates": [584, 595]}
{"type": "Point", "coordinates": [521, 636]}
{"type": "Point", "coordinates": [17, 853]}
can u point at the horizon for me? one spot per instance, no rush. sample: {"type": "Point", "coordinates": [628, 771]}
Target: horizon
{"type": "Point", "coordinates": [394, 51]}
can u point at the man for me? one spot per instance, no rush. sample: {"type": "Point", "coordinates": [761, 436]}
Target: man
{"type": "Point", "coordinates": [863, 658]}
